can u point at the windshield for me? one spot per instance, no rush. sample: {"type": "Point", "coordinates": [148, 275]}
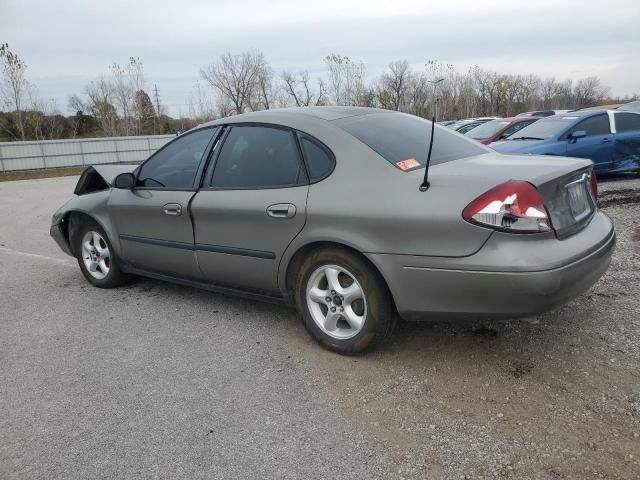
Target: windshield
{"type": "Point", "coordinates": [487, 130]}
{"type": "Point", "coordinates": [399, 137]}
{"type": "Point", "coordinates": [544, 128]}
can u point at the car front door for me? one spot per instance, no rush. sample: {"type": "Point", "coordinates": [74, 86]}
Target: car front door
{"type": "Point", "coordinates": [152, 219]}
{"type": "Point", "coordinates": [597, 145]}
{"type": "Point", "coordinates": [252, 206]}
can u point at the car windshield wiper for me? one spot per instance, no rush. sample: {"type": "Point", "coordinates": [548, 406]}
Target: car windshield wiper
{"type": "Point", "coordinates": [527, 138]}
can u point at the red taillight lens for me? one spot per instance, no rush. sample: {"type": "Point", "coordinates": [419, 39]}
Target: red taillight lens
{"type": "Point", "coordinates": [593, 181]}
{"type": "Point", "coordinates": [514, 206]}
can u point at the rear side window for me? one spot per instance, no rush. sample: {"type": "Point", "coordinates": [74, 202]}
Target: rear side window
{"type": "Point", "coordinates": [258, 157]}
{"type": "Point", "coordinates": [597, 125]}
{"type": "Point", "coordinates": [319, 160]}
{"type": "Point", "coordinates": [397, 137]}
{"type": "Point", "coordinates": [627, 122]}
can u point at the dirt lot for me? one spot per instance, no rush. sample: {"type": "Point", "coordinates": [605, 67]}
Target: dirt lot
{"type": "Point", "coordinates": [160, 381]}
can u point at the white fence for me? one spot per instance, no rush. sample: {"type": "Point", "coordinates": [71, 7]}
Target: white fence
{"type": "Point", "coordinates": [86, 151]}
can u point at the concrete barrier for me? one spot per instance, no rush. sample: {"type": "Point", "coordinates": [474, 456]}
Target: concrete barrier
{"type": "Point", "coordinates": [85, 151]}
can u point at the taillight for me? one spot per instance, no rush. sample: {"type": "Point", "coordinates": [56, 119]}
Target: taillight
{"type": "Point", "coordinates": [514, 206]}
{"type": "Point", "coordinates": [593, 181]}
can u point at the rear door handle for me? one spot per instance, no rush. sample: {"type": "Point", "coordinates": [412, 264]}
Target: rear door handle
{"type": "Point", "coordinates": [172, 209]}
{"type": "Point", "coordinates": [281, 210]}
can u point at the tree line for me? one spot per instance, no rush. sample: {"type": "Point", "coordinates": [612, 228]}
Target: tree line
{"type": "Point", "coordinates": [118, 103]}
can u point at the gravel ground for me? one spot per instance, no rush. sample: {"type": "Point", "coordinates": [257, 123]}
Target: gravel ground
{"type": "Point", "coordinates": [161, 381]}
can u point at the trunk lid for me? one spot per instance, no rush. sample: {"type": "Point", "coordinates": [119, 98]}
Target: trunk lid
{"type": "Point", "coordinates": [563, 183]}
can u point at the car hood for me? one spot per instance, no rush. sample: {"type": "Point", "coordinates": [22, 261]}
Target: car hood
{"type": "Point", "coordinates": [515, 146]}
{"type": "Point", "coordinates": [100, 177]}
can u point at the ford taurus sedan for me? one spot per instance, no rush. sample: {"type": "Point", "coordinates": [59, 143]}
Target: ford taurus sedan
{"type": "Point", "coordinates": [333, 211]}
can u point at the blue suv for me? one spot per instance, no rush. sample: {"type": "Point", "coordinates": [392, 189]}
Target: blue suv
{"type": "Point", "coordinates": [611, 139]}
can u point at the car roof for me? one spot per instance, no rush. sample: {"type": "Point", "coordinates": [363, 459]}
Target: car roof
{"type": "Point", "coordinates": [293, 113]}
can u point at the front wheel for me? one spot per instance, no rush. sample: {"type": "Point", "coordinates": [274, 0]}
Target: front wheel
{"type": "Point", "coordinates": [96, 257]}
{"type": "Point", "coordinates": [344, 303]}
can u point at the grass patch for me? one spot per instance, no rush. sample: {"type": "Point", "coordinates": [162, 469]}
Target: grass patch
{"type": "Point", "coordinates": [12, 175]}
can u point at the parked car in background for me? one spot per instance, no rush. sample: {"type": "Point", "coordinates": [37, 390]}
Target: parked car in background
{"type": "Point", "coordinates": [466, 121]}
{"type": "Point", "coordinates": [463, 129]}
{"type": "Point", "coordinates": [446, 123]}
{"type": "Point", "coordinates": [610, 138]}
{"type": "Point", "coordinates": [499, 129]}
{"type": "Point", "coordinates": [321, 208]}
{"type": "Point", "coordinates": [542, 113]}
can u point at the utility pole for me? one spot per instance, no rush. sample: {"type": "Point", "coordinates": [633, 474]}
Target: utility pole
{"type": "Point", "coordinates": [157, 99]}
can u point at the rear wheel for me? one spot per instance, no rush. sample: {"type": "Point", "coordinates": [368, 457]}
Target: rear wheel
{"type": "Point", "coordinates": [96, 257]}
{"type": "Point", "coordinates": [344, 303]}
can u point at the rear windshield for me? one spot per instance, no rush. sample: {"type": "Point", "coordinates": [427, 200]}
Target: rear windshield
{"type": "Point", "coordinates": [398, 137]}
{"type": "Point", "coordinates": [487, 130]}
{"type": "Point", "coordinates": [544, 128]}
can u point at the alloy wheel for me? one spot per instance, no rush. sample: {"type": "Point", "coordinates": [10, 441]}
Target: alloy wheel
{"type": "Point", "coordinates": [96, 255]}
{"type": "Point", "coordinates": [336, 302]}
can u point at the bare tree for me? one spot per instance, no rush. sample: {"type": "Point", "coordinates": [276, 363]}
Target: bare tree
{"type": "Point", "coordinates": [298, 87]}
{"type": "Point", "coordinates": [235, 77]}
{"type": "Point", "coordinates": [346, 81]}
{"type": "Point", "coordinates": [396, 82]}
{"type": "Point", "coordinates": [589, 92]}
{"type": "Point", "coordinates": [13, 85]}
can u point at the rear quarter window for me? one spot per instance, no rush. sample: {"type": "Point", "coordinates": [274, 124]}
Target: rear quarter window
{"type": "Point", "coordinates": [397, 137]}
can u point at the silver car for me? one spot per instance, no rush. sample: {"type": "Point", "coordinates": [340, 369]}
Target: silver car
{"type": "Point", "coordinates": [330, 210]}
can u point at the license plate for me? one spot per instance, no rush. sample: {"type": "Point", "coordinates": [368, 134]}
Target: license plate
{"type": "Point", "coordinates": [578, 199]}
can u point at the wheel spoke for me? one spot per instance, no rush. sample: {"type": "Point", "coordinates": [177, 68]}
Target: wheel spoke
{"type": "Point", "coordinates": [104, 252]}
{"type": "Point", "coordinates": [93, 267]}
{"type": "Point", "coordinates": [353, 319]}
{"type": "Point", "coordinates": [332, 279]}
{"type": "Point", "coordinates": [331, 320]}
{"type": "Point", "coordinates": [318, 295]}
{"type": "Point", "coordinates": [103, 266]}
{"type": "Point", "coordinates": [96, 239]}
{"type": "Point", "coordinates": [351, 293]}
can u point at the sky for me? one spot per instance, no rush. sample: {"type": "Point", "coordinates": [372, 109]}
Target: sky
{"type": "Point", "coordinates": [67, 43]}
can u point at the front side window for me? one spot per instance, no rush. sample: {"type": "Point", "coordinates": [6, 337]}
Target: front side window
{"type": "Point", "coordinates": [258, 157]}
{"type": "Point", "coordinates": [398, 137]}
{"type": "Point", "coordinates": [627, 122]}
{"type": "Point", "coordinates": [596, 125]}
{"type": "Point", "coordinates": [487, 129]}
{"type": "Point", "coordinates": [176, 165]}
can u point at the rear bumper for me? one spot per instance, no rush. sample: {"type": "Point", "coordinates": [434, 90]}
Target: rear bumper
{"type": "Point", "coordinates": [510, 276]}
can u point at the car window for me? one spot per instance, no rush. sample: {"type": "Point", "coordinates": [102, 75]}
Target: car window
{"type": "Point", "coordinates": [486, 130]}
{"type": "Point", "coordinates": [627, 122]}
{"type": "Point", "coordinates": [319, 160]}
{"type": "Point", "coordinates": [398, 137]}
{"type": "Point", "coordinates": [176, 165]}
{"type": "Point", "coordinates": [544, 128]}
{"type": "Point", "coordinates": [255, 157]}
{"type": "Point", "coordinates": [596, 125]}
{"type": "Point", "coordinates": [516, 127]}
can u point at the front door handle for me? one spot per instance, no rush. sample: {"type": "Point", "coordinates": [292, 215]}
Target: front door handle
{"type": "Point", "coordinates": [281, 210]}
{"type": "Point", "coordinates": [605, 140]}
{"type": "Point", "coordinates": [172, 209]}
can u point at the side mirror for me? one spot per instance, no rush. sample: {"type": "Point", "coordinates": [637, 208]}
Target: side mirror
{"type": "Point", "coordinates": [504, 136]}
{"type": "Point", "coordinates": [578, 134]}
{"type": "Point", "coordinates": [125, 181]}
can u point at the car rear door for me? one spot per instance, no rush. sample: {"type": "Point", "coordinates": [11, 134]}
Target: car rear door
{"type": "Point", "coordinates": [626, 151]}
{"type": "Point", "coordinates": [597, 145]}
{"type": "Point", "coordinates": [251, 207]}
{"type": "Point", "coordinates": [152, 219]}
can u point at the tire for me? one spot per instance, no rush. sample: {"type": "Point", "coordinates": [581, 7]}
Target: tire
{"type": "Point", "coordinates": [96, 257]}
{"type": "Point", "coordinates": [364, 314]}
